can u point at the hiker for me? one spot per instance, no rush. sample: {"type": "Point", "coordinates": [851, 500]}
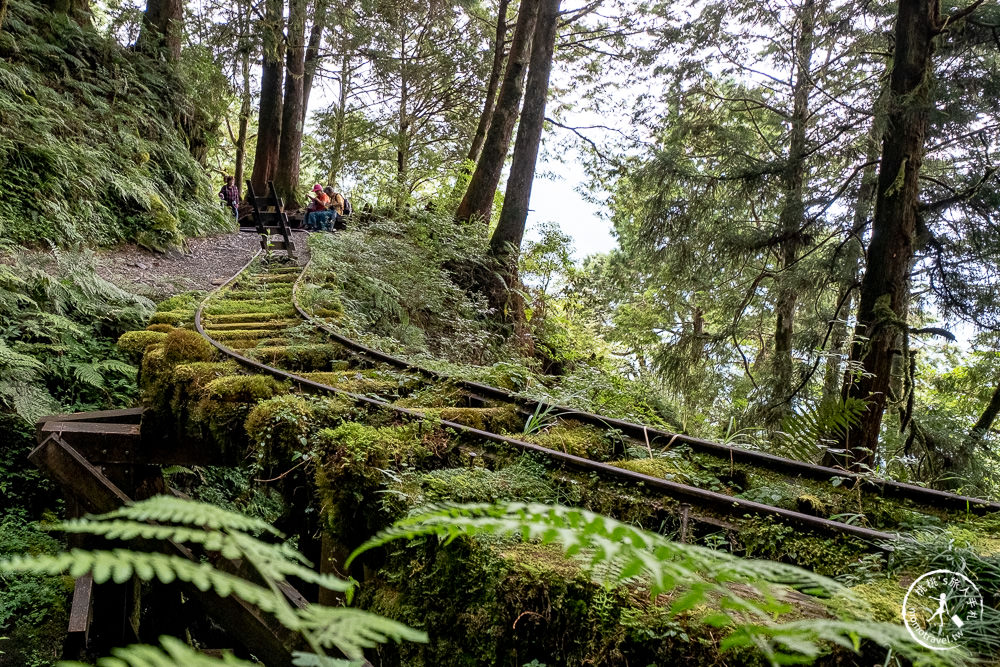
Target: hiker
{"type": "Point", "coordinates": [340, 204]}
{"type": "Point", "coordinates": [316, 209]}
{"type": "Point", "coordinates": [230, 195]}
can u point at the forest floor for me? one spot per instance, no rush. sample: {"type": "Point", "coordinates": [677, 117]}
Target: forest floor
{"type": "Point", "coordinates": [207, 262]}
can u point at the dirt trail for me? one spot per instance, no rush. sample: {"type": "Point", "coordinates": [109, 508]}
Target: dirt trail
{"type": "Point", "coordinates": [207, 262]}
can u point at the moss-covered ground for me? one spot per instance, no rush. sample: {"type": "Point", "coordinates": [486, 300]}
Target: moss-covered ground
{"type": "Point", "coordinates": [345, 472]}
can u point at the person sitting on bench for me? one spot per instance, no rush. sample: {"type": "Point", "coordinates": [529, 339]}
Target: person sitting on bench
{"type": "Point", "coordinates": [316, 209]}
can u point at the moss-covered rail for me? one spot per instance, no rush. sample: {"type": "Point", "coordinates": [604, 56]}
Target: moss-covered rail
{"type": "Point", "coordinates": [256, 320]}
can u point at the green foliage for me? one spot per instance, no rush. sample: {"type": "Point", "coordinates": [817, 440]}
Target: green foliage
{"type": "Point", "coordinates": [92, 151]}
{"type": "Point", "coordinates": [58, 320]}
{"type": "Point", "coordinates": [745, 596]}
{"type": "Point", "coordinates": [807, 433]}
{"type": "Point", "coordinates": [230, 534]}
{"type": "Point", "coordinates": [172, 653]}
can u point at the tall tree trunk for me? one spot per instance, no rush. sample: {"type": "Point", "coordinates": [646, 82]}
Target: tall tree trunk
{"type": "Point", "coordinates": [985, 421]}
{"type": "Point", "coordinates": [3, 13]}
{"type": "Point", "coordinates": [245, 109]}
{"type": "Point", "coordinates": [312, 51]}
{"type": "Point", "coordinates": [286, 181]}
{"type": "Point", "coordinates": [493, 83]}
{"type": "Point", "coordinates": [478, 199]}
{"type": "Point", "coordinates": [882, 310]}
{"type": "Point", "coordinates": [791, 217]}
{"type": "Point", "coordinates": [403, 137]}
{"type": "Point", "coordinates": [340, 118]}
{"type": "Point", "coordinates": [269, 120]}
{"type": "Point", "coordinates": [505, 244]}
{"type": "Point", "coordinates": [162, 29]}
{"type": "Point", "coordinates": [833, 377]}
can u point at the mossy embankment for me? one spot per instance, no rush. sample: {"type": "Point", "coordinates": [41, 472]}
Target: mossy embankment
{"type": "Point", "coordinates": [344, 472]}
{"type": "Point", "coordinates": [97, 140]}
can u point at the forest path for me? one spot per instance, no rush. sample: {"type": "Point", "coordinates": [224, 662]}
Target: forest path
{"type": "Point", "coordinates": [207, 263]}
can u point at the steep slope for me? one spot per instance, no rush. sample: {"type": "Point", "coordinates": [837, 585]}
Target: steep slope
{"type": "Point", "coordinates": [96, 142]}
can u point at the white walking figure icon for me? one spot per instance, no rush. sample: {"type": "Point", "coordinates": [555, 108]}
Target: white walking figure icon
{"type": "Point", "coordinates": [939, 614]}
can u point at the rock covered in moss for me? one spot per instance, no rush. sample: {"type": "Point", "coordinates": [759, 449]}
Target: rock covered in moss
{"type": "Point", "coordinates": [134, 343]}
{"type": "Point", "coordinates": [163, 328]}
{"type": "Point", "coordinates": [183, 345]}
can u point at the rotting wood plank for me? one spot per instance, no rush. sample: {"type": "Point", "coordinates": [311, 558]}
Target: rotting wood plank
{"type": "Point", "coordinates": [122, 416]}
{"type": "Point", "coordinates": [127, 444]}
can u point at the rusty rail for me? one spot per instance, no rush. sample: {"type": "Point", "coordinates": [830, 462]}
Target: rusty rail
{"type": "Point", "coordinates": [683, 492]}
{"type": "Point", "coordinates": [884, 487]}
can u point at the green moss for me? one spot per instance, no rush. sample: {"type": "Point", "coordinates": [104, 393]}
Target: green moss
{"type": "Point", "coordinates": [283, 425]}
{"type": "Point", "coordinates": [300, 357]}
{"type": "Point", "coordinates": [241, 334]}
{"type": "Point", "coordinates": [183, 345]}
{"type": "Point", "coordinates": [762, 538]}
{"type": "Point", "coordinates": [260, 309]}
{"type": "Point", "coordinates": [172, 317]}
{"type": "Point", "coordinates": [134, 343]}
{"type": "Point", "coordinates": [370, 381]}
{"type": "Point", "coordinates": [244, 388]}
{"type": "Point", "coordinates": [248, 344]}
{"type": "Point", "coordinates": [810, 504]}
{"type": "Point", "coordinates": [525, 480]}
{"type": "Point", "coordinates": [879, 600]}
{"type": "Point", "coordinates": [500, 419]}
{"type": "Point", "coordinates": [162, 328]}
{"type": "Point", "coordinates": [183, 301]}
{"type": "Point", "coordinates": [502, 603]}
{"type": "Point", "coordinates": [663, 468]}
{"type": "Point", "coordinates": [279, 277]}
{"type": "Point", "coordinates": [162, 230]}
{"type": "Point", "coordinates": [575, 438]}
{"type": "Point", "coordinates": [240, 318]}
{"type": "Point", "coordinates": [270, 325]}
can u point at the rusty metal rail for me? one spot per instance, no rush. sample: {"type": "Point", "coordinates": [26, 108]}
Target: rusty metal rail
{"type": "Point", "coordinates": [718, 501]}
{"type": "Point", "coordinates": [641, 432]}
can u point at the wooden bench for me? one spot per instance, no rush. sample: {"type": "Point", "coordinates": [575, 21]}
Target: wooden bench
{"type": "Point", "coordinates": [269, 214]}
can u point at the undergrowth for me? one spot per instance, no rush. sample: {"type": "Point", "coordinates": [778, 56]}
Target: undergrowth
{"type": "Point", "coordinates": [91, 151]}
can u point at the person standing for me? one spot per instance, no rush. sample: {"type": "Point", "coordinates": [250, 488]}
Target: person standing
{"type": "Point", "coordinates": [230, 195]}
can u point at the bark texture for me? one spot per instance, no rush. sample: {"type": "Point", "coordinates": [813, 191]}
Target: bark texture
{"type": "Point", "coordinates": [505, 244]}
{"type": "Point", "coordinates": [499, 49]}
{"type": "Point", "coordinates": [478, 200]}
{"type": "Point", "coordinates": [792, 216]}
{"type": "Point", "coordinates": [312, 58]}
{"type": "Point", "coordinates": [286, 180]}
{"type": "Point", "coordinates": [269, 120]}
{"type": "Point", "coordinates": [162, 29]}
{"type": "Point", "coordinates": [882, 309]}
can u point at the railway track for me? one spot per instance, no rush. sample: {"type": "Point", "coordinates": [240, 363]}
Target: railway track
{"type": "Point", "coordinates": [256, 319]}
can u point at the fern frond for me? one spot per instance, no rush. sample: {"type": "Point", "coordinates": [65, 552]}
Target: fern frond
{"type": "Point", "coordinates": [174, 653]}
{"type": "Point", "coordinates": [802, 641]}
{"type": "Point", "coordinates": [300, 659]}
{"type": "Point", "coordinates": [618, 552]}
{"type": "Point", "coordinates": [119, 565]}
{"type": "Point", "coordinates": [353, 630]}
{"type": "Point", "coordinates": [116, 366]}
{"type": "Point", "coordinates": [178, 510]}
{"type": "Point", "coordinates": [601, 541]}
{"type": "Point", "coordinates": [803, 433]}
{"type": "Point", "coordinates": [88, 374]}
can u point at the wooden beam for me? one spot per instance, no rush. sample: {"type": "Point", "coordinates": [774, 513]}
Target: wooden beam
{"type": "Point", "coordinates": [126, 444]}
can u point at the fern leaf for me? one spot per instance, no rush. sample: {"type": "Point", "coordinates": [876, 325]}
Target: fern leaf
{"type": "Point", "coordinates": [88, 374]}
{"type": "Point", "coordinates": [178, 510]}
{"type": "Point", "coordinates": [119, 565]}
{"type": "Point", "coordinates": [300, 659]}
{"type": "Point", "coordinates": [171, 653]}
{"type": "Point", "coordinates": [353, 630]}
